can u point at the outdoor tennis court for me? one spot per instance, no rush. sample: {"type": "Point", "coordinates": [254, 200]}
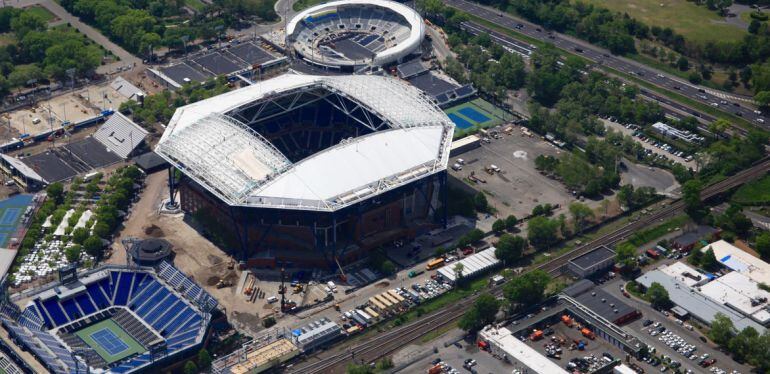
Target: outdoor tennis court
{"type": "Point", "coordinates": [110, 341]}
{"type": "Point", "coordinates": [11, 211]}
{"type": "Point", "coordinates": [475, 113]}
{"type": "Point", "coordinates": [459, 121]}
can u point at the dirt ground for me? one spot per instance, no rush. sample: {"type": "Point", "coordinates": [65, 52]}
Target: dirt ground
{"type": "Point", "coordinates": [194, 254]}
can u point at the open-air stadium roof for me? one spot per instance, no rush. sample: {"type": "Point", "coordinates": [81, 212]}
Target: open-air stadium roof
{"type": "Point", "coordinates": [399, 37]}
{"type": "Point", "coordinates": [411, 139]}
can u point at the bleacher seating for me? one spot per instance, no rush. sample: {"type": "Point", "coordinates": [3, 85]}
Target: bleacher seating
{"type": "Point", "coordinates": [169, 303]}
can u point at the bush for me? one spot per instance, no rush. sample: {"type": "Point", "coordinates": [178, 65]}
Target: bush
{"type": "Point", "coordinates": [759, 16]}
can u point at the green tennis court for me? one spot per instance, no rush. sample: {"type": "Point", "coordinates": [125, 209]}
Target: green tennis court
{"type": "Point", "coordinates": [477, 113]}
{"type": "Point", "coordinates": [110, 341]}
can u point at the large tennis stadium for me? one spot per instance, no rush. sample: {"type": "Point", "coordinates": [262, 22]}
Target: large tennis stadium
{"type": "Point", "coordinates": [353, 33]}
{"type": "Point", "coordinates": [309, 170]}
{"type": "Point", "coordinates": [111, 319]}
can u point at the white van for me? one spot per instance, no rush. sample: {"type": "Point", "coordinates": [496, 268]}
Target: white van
{"type": "Point", "coordinates": [272, 299]}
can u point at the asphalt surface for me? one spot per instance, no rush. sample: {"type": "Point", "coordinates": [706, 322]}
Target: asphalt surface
{"type": "Point", "coordinates": [728, 103]}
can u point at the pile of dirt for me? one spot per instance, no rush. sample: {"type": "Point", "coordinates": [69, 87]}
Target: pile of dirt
{"type": "Point", "coordinates": [212, 281]}
{"type": "Point", "coordinates": [153, 231]}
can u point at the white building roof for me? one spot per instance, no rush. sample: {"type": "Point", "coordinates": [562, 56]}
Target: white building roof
{"type": "Point", "coordinates": [126, 88]}
{"type": "Point", "coordinates": [741, 261]}
{"type": "Point", "coordinates": [739, 292]}
{"type": "Point", "coordinates": [503, 340]}
{"type": "Point", "coordinates": [684, 273]}
{"type": "Point", "coordinates": [472, 264]}
{"type": "Point", "coordinates": [387, 55]}
{"type": "Point", "coordinates": [242, 168]}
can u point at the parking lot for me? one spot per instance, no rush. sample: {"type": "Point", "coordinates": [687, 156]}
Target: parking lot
{"type": "Point", "coordinates": [689, 163]}
{"type": "Point", "coordinates": [518, 187]}
{"type": "Point", "coordinates": [674, 329]}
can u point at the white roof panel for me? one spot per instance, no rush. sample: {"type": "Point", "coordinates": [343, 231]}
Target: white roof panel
{"type": "Point", "coordinates": [241, 167]}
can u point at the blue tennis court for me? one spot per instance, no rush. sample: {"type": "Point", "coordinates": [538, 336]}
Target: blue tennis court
{"type": "Point", "coordinates": [473, 114]}
{"type": "Point", "coordinates": [109, 341]}
{"type": "Point", "coordinates": [459, 121]}
{"type": "Point", "coordinates": [9, 216]}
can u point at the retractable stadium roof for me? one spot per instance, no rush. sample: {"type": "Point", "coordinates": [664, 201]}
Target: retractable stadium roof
{"type": "Point", "coordinates": [241, 167]}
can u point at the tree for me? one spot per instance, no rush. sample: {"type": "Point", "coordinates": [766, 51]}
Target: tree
{"type": "Point", "coordinates": [387, 267]}
{"type": "Point", "coordinates": [458, 270]}
{"type": "Point", "coordinates": [73, 253]}
{"type": "Point", "coordinates": [580, 214]}
{"type": "Point", "coordinates": [510, 248]}
{"type": "Point", "coordinates": [511, 222]}
{"type": "Point", "coordinates": [93, 246]}
{"type": "Point", "coordinates": [692, 200]}
{"type": "Point", "coordinates": [102, 230]}
{"type": "Point", "coordinates": [762, 244]}
{"type": "Point", "coordinates": [683, 64]}
{"type": "Point", "coordinates": [722, 329]}
{"type": "Point", "coordinates": [709, 262]}
{"type": "Point", "coordinates": [760, 354]}
{"type": "Point", "coordinates": [190, 367]}
{"type": "Point", "coordinates": [625, 255]}
{"type": "Point", "coordinates": [481, 313]}
{"type": "Point", "coordinates": [742, 345]}
{"type": "Point", "coordinates": [498, 226]}
{"type": "Point", "coordinates": [480, 202]}
{"type": "Point", "coordinates": [26, 22]}
{"type": "Point", "coordinates": [528, 289]}
{"type": "Point", "coordinates": [55, 191]}
{"type": "Point", "coordinates": [658, 296]}
{"type": "Point", "coordinates": [754, 26]}
{"type": "Point", "coordinates": [204, 359]}
{"type": "Point", "coordinates": [79, 235]}
{"type": "Point", "coordinates": [719, 127]}
{"type": "Point", "coordinates": [542, 232]}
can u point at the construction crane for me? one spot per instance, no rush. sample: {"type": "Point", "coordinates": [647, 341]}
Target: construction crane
{"type": "Point", "coordinates": [343, 277]}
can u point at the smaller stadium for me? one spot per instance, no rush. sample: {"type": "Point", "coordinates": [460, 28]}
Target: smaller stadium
{"type": "Point", "coordinates": [111, 319]}
{"type": "Point", "coordinates": [350, 34]}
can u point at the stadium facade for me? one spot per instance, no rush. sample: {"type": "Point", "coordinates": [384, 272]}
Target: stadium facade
{"type": "Point", "coordinates": [312, 169]}
{"type": "Point", "coordinates": [113, 319]}
{"type": "Point", "coordinates": [348, 34]}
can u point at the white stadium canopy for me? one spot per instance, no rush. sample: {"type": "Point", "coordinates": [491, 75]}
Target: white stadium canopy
{"type": "Point", "coordinates": [400, 46]}
{"type": "Point", "coordinates": [242, 168]}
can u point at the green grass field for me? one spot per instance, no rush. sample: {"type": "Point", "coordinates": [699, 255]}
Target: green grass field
{"type": "Point", "coordinates": [694, 22]}
{"type": "Point", "coordinates": [41, 12]}
{"type": "Point", "coordinates": [754, 193]}
{"type": "Point", "coordinates": [496, 115]}
{"type": "Point", "coordinates": [197, 5]}
{"type": "Point", "coordinates": [132, 345]}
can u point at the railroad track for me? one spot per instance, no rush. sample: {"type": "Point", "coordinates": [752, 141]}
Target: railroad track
{"type": "Point", "coordinates": [389, 341]}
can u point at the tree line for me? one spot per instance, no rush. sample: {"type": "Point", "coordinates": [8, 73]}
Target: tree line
{"type": "Point", "coordinates": [38, 53]}
{"type": "Point", "coordinates": [140, 26]}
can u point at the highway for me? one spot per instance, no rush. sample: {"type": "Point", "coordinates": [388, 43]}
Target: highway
{"type": "Point", "coordinates": [387, 342]}
{"type": "Point", "coordinates": [670, 107]}
{"type": "Point", "coordinates": [723, 101]}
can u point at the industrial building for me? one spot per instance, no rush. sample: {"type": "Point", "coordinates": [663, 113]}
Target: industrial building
{"type": "Point", "coordinates": [685, 274]}
{"type": "Point", "coordinates": [316, 334]}
{"type": "Point", "coordinates": [600, 259]}
{"type": "Point", "coordinates": [471, 266]}
{"type": "Point", "coordinates": [739, 260]}
{"type": "Point", "coordinates": [256, 356]}
{"type": "Point", "coordinates": [699, 305]}
{"type": "Point", "coordinates": [465, 144]}
{"type": "Point", "coordinates": [524, 358]}
{"type": "Point", "coordinates": [740, 293]}
{"type": "Point", "coordinates": [308, 170]}
{"type": "Point", "coordinates": [675, 133]}
{"type": "Point", "coordinates": [601, 302]}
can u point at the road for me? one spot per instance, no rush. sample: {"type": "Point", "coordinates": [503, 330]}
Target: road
{"type": "Point", "coordinates": [725, 102]}
{"type": "Point", "coordinates": [671, 108]}
{"type": "Point", "coordinates": [387, 342]}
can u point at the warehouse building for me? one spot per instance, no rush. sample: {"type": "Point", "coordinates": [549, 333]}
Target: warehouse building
{"type": "Point", "coordinates": [316, 334]}
{"type": "Point", "coordinates": [601, 302]}
{"type": "Point", "coordinates": [684, 273]}
{"type": "Point", "coordinates": [697, 304]}
{"type": "Point", "coordinates": [739, 260]}
{"type": "Point", "coordinates": [471, 266]}
{"type": "Point", "coordinates": [502, 343]}
{"type": "Point", "coordinates": [740, 293]}
{"type": "Point", "coordinates": [598, 260]}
